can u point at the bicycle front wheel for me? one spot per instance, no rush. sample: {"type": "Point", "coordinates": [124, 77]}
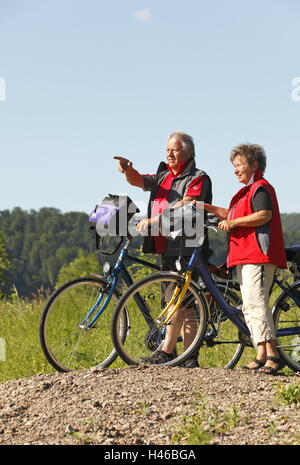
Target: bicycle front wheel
{"type": "Point", "coordinates": [144, 332]}
{"type": "Point", "coordinates": [66, 339]}
{"type": "Point", "coordinates": [286, 316]}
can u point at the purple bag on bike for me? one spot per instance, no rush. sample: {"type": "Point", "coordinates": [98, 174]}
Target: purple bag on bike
{"type": "Point", "coordinates": [103, 213]}
{"type": "Point", "coordinates": [112, 215]}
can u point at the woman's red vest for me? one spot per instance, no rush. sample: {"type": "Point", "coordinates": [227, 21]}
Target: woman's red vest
{"type": "Point", "coordinates": [244, 246]}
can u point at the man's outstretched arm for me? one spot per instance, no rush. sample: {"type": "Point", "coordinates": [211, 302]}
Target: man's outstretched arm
{"type": "Point", "coordinates": [132, 176]}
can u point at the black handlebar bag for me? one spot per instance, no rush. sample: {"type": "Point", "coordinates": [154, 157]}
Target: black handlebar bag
{"type": "Point", "coordinates": [112, 215]}
{"type": "Point", "coordinates": [185, 222]}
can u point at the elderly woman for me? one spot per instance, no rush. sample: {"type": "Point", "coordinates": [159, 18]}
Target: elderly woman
{"type": "Point", "coordinates": [256, 248]}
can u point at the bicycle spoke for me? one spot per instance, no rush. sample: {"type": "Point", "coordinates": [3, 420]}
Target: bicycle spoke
{"type": "Point", "coordinates": [147, 333]}
{"type": "Point", "coordinates": [65, 338]}
{"type": "Point", "coordinates": [222, 346]}
{"type": "Point", "coordinates": [287, 324]}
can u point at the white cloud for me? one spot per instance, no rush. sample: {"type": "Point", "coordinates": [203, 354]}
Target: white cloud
{"type": "Point", "coordinates": [142, 15]}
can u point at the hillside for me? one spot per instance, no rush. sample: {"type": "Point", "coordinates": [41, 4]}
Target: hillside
{"type": "Point", "coordinates": [148, 405]}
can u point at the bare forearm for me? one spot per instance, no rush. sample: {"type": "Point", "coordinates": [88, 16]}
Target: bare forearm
{"type": "Point", "coordinates": [183, 201]}
{"type": "Point", "coordinates": [220, 212]}
{"type": "Point", "coordinates": [134, 178]}
{"type": "Point", "coordinates": [254, 219]}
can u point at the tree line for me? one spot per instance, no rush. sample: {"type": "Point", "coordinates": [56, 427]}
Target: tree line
{"type": "Point", "coordinates": [36, 246]}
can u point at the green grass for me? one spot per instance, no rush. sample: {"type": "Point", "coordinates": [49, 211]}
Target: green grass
{"type": "Point", "coordinates": [288, 394]}
{"type": "Point", "coordinates": [203, 421]}
{"type": "Point", "coordinates": [19, 329]}
{"type": "Point", "coordinates": [19, 322]}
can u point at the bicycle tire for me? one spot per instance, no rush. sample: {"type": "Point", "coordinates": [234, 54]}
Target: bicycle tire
{"type": "Point", "coordinates": [287, 314]}
{"type": "Point", "coordinates": [222, 346]}
{"type": "Point", "coordinates": [65, 344]}
{"type": "Point", "coordinates": [132, 348]}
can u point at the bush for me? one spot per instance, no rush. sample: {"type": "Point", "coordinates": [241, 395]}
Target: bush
{"type": "Point", "coordinates": [81, 266]}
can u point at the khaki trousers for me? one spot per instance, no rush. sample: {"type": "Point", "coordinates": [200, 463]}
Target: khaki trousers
{"type": "Point", "coordinates": [255, 281]}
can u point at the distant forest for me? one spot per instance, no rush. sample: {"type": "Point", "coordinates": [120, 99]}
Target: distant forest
{"type": "Point", "coordinates": [40, 243]}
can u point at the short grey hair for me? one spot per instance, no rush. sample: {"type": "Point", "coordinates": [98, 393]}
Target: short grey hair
{"type": "Point", "coordinates": [252, 153]}
{"type": "Point", "coordinates": [187, 141]}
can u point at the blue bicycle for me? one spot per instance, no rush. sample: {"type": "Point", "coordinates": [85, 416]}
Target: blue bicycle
{"type": "Point", "coordinates": [209, 310]}
{"type": "Point", "coordinates": [75, 324]}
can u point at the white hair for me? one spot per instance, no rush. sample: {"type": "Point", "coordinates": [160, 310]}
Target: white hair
{"type": "Point", "coordinates": [187, 142]}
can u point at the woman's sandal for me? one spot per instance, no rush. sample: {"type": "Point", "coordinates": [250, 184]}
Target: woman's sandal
{"type": "Point", "coordinates": [259, 364]}
{"type": "Point", "coordinates": [267, 370]}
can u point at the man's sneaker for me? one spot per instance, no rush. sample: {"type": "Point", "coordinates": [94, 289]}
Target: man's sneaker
{"type": "Point", "coordinates": [158, 357]}
{"type": "Point", "coordinates": [191, 362]}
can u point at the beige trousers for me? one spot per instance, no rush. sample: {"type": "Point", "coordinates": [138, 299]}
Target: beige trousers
{"type": "Point", "coordinates": [255, 281]}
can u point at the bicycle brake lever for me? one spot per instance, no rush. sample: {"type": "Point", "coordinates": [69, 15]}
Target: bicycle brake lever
{"type": "Point", "coordinates": [214, 228]}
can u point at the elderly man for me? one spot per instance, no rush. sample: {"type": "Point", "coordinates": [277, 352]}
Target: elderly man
{"type": "Point", "coordinates": [175, 182]}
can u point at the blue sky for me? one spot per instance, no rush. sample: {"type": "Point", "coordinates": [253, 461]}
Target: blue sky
{"type": "Point", "coordinates": [84, 80]}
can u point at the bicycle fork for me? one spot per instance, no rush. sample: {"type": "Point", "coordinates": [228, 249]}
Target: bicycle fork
{"type": "Point", "coordinates": [178, 290]}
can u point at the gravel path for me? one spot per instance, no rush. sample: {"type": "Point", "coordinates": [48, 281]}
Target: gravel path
{"type": "Point", "coordinates": [147, 405]}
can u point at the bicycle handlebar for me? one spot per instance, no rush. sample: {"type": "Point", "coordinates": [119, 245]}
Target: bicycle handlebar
{"type": "Point", "coordinates": [212, 222]}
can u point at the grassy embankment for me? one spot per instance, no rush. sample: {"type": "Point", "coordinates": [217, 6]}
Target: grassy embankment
{"type": "Point", "coordinates": [23, 356]}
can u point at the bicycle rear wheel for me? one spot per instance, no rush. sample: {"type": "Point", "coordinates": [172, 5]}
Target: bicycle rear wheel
{"type": "Point", "coordinates": [142, 334]}
{"type": "Point", "coordinates": [286, 314]}
{"type": "Point", "coordinates": [66, 340]}
{"type": "Point", "coordinates": [222, 345]}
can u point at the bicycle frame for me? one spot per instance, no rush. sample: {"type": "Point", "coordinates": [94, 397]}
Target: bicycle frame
{"type": "Point", "coordinates": [112, 280]}
{"type": "Point", "coordinates": [231, 312]}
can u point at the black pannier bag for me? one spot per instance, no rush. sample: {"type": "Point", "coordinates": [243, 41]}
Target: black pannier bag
{"type": "Point", "coordinates": [186, 221]}
{"type": "Point", "coordinates": [112, 215]}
